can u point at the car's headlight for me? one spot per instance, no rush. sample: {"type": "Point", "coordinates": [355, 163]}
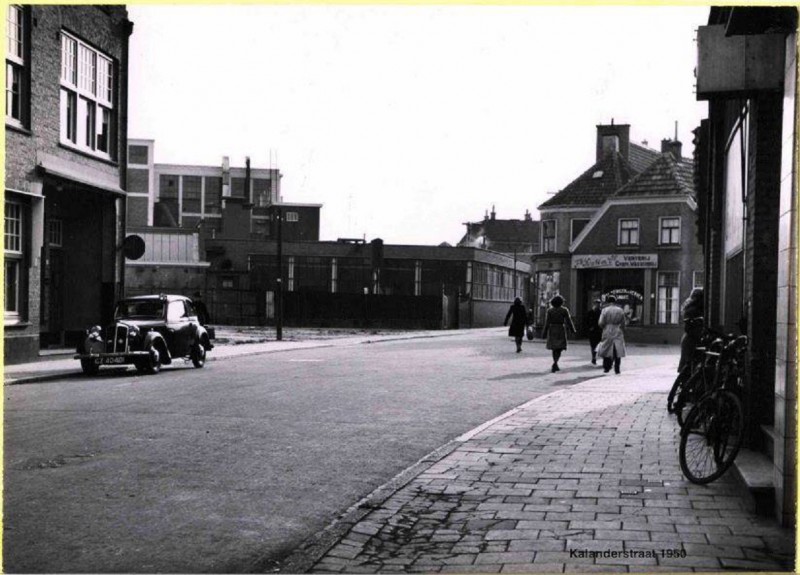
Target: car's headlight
{"type": "Point", "coordinates": [133, 332]}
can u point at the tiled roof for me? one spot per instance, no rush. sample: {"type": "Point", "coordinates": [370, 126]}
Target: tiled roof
{"type": "Point", "coordinates": [503, 235]}
{"type": "Point", "coordinates": [640, 157]}
{"type": "Point", "coordinates": [664, 177]}
{"type": "Point", "coordinates": [587, 190]}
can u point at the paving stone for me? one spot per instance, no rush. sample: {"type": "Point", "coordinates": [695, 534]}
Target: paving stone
{"type": "Point", "coordinates": [503, 558]}
{"type": "Point", "coordinates": [592, 568]}
{"type": "Point", "coordinates": [533, 568]}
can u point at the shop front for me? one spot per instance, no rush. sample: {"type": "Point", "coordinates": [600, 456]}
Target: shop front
{"type": "Point", "coordinates": [630, 278]}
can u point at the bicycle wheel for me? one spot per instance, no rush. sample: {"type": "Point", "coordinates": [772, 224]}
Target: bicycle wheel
{"type": "Point", "coordinates": [711, 437]}
{"type": "Point", "coordinates": [688, 393]}
{"type": "Point", "coordinates": [676, 388]}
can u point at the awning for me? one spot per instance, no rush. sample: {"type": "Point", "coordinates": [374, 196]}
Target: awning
{"type": "Point", "coordinates": [80, 174]}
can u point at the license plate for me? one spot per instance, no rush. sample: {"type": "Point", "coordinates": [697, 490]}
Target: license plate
{"type": "Point", "coordinates": [109, 360]}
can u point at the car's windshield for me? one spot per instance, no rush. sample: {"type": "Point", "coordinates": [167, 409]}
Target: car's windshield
{"type": "Point", "coordinates": [153, 309]}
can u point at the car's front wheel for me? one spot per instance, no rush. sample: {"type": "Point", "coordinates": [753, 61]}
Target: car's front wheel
{"type": "Point", "coordinates": [89, 367]}
{"type": "Point", "coordinates": [198, 354]}
{"type": "Point", "coordinates": [152, 364]}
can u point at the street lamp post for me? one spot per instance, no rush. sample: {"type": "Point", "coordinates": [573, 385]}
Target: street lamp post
{"type": "Point", "coordinates": [279, 281]}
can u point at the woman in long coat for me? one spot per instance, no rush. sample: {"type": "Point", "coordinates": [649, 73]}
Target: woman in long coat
{"type": "Point", "coordinates": [519, 319]}
{"type": "Point", "coordinates": [556, 323]}
{"type": "Point", "coordinates": [612, 347]}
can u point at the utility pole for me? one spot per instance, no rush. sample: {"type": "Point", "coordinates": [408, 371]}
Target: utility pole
{"type": "Point", "coordinates": [279, 281]}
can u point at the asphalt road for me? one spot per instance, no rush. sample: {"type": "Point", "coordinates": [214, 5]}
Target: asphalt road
{"type": "Point", "coordinates": [215, 470]}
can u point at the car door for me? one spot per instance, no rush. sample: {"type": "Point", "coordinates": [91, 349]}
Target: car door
{"type": "Point", "coordinates": [179, 329]}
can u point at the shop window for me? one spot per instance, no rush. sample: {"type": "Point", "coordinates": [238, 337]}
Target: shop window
{"type": "Point", "coordinates": [577, 227]}
{"type": "Point", "coordinates": [628, 234]}
{"type": "Point", "coordinates": [548, 236]}
{"type": "Point", "coordinates": [13, 260]}
{"type": "Point", "coordinates": [670, 231]}
{"type": "Point", "coordinates": [17, 66]}
{"type": "Point", "coordinates": [668, 295]}
{"type": "Point", "coordinates": [88, 114]}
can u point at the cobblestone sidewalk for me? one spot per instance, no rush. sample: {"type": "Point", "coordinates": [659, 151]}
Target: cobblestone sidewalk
{"type": "Point", "coordinates": [582, 480]}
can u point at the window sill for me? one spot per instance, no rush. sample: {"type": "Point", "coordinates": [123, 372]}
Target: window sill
{"type": "Point", "coordinates": [16, 323]}
{"type": "Point", "coordinates": [668, 246]}
{"type": "Point", "coordinates": [87, 154]}
{"type": "Point", "coordinates": [18, 128]}
{"type": "Point", "coordinates": [629, 247]}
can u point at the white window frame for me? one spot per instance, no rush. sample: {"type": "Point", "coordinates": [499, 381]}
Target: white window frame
{"type": "Point", "coordinates": [554, 238]}
{"type": "Point", "coordinates": [674, 299]}
{"type": "Point", "coordinates": [619, 232]}
{"type": "Point", "coordinates": [16, 45]}
{"type": "Point", "coordinates": [572, 221]}
{"type": "Point", "coordinates": [13, 235]}
{"type": "Point", "coordinates": [292, 217]}
{"type": "Point", "coordinates": [661, 230]}
{"type": "Point", "coordinates": [87, 98]}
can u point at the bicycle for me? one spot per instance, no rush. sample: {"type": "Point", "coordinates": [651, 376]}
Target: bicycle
{"type": "Point", "coordinates": [690, 383]}
{"type": "Point", "coordinates": [714, 428]}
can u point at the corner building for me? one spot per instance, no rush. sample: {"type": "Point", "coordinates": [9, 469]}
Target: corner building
{"type": "Point", "coordinates": [66, 128]}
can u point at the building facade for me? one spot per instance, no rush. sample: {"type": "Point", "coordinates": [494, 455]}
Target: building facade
{"type": "Point", "coordinates": [66, 128]}
{"type": "Point", "coordinates": [626, 227]}
{"type": "Point", "coordinates": [747, 59]}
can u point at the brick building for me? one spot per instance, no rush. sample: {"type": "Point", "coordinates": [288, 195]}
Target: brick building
{"type": "Point", "coordinates": [66, 128]}
{"type": "Point", "coordinates": [746, 178]}
{"type": "Point", "coordinates": [624, 227]}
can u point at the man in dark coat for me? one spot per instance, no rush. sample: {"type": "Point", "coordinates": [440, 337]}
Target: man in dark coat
{"type": "Point", "coordinates": [200, 307]}
{"type": "Point", "coordinates": [593, 330]}
{"type": "Point", "coordinates": [519, 319]}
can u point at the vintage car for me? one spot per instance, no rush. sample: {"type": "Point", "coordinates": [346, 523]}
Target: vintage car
{"type": "Point", "coordinates": [148, 332]}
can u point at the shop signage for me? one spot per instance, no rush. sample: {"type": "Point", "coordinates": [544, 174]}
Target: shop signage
{"type": "Point", "coordinates": [615, 261]}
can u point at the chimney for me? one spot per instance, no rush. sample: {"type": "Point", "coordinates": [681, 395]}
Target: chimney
{"type": "Point", "coordinates": [528, 216]}
{"type": "Point", "coordinates": [248, 188]}
{"type": "Point", "coordinates": [612, 138]}
{"type": "Point", "coordinates": [493, 214]}
{"type": "Point", "coordinates": [226, 177]}
{"type": "Point", "coordinates": [674, 147]}
{"type": "Point", "coordinates": [486, 216]}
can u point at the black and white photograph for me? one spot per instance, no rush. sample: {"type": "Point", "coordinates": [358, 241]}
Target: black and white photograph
{"type": "Point", "coordinates": [400, 287]}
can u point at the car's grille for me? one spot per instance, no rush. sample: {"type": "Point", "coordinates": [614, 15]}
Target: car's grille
{"type": "Point", "coordinates": [120, 338]}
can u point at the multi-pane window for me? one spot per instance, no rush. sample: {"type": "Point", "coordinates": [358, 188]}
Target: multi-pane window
{"type": "Point", "coordinates": [192, 190]}
{"type": "Point", "coordinates": [668, 292]}
{"type": "Point", "coordinates": [88, 116]}
{"type": "Point", "coordinates": [261, 192]}
{"type": "Point", "coordinates": [16, 65]}
{"type": "Point", "coordinates": [628, 233]}
{"type": "Point", "coordinates": [213, 195]}
{"type": "Point", "coordinates": [55, 233]}
{"type": "Point", "coordinates": [548, 235]}
{"type": "Point", "coordinates": [168, 193]}
{"type": "Point", "coordinates": [670, 233]}
{"type": "Point", "coordinates": [698, 279]}
{"type": "Point", "coordinates": [292, 217]}
{"type": "Point", "coordinates": [13, 258]}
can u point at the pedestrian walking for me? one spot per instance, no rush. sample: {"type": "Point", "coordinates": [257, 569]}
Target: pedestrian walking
{"type": "Point", "coordinates": [556, 322]}
{"type": "Point", "coordinates": [692, 311]}
{"type": "Point", "coordinates": [612, 346]}
{"type": "Point", "coordinates": [593, 329]}
{"type": "Point", "coordinates": [519, 320]}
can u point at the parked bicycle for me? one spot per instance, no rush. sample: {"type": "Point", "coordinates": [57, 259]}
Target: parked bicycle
{"type": "Point", "coordinates": [690, 384]}
{"type": "Point", "coordinates": [713, 431]}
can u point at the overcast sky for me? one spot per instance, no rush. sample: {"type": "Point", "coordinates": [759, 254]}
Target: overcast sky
{"type": "Point", "coordinates": [407, 121]}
